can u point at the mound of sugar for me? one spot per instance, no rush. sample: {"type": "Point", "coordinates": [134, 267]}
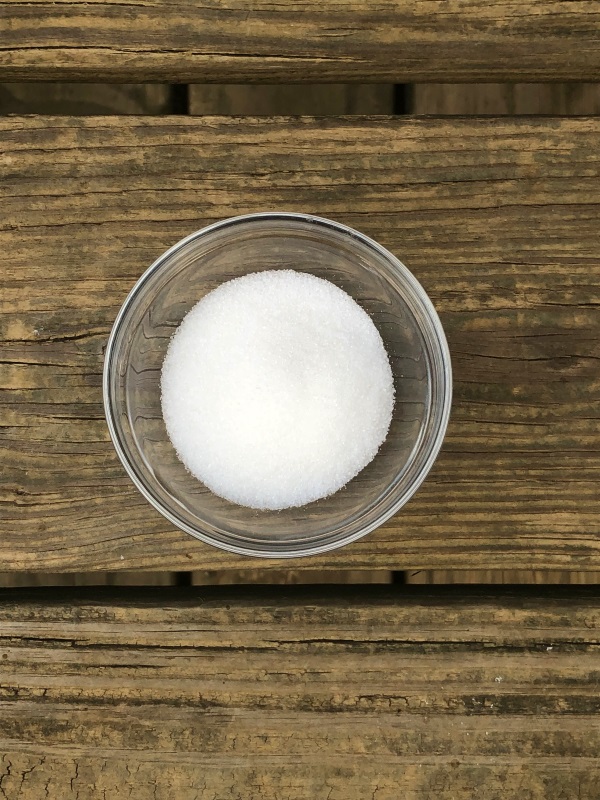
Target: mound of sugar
{"type": "Point", "coordinates": [276, 389]}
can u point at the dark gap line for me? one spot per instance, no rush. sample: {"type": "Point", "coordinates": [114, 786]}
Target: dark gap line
{"type": "Point", "coordinates": [400, 99]}
{"type": "Point", "coordinates": [180, 98]}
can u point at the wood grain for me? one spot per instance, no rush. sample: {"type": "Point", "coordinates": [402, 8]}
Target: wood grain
{"type": "Point", "coordinates": [497, 218]}
{"type": "Point", "coordinates": [88, 99]}
{"type": "Point", "coordinates": [280, 694]}
{"type": "Point", "coordinates": [76, 99]}
{"type": "Point", "coordinates": [498, 99]}
{"type": "Point", "coordinates": [394, 41]}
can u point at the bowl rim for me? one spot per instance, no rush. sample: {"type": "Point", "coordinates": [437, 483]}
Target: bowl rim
{"type": "Point", "coordinates": [338, 227]}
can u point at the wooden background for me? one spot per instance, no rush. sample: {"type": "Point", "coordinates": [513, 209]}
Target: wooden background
{"type": "Point", "coordinates": [346, 693]}
{"type": "Point", "coordinates": [571, 408]}
{"type": "Point", "coordinates": [200, 692]}
{"type": "Point", "coordinates": [333, 692]}
{"type": "Point", "coordinates": [309, 41]}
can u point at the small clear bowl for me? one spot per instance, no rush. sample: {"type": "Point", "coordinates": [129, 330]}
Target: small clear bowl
{"type": "Point", "coordinates": [381, 284]}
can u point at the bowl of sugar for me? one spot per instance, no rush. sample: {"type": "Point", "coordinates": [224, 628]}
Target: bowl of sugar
{"type": "Point", "coordinates": [277, 385]}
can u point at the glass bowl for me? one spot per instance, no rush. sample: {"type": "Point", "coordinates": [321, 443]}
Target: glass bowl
{"type": "Point", "coordinates": [382, 285]}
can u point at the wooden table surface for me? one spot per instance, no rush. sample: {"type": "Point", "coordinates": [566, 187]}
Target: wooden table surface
{"type": "Point", "coordinates": [279, 695]}
{"type": "Point", "coordinates": [334, 693]}
{"type": "Point", "coordinates": [317, 41]}
{"type": "Point", "coordinates": [497, 217]}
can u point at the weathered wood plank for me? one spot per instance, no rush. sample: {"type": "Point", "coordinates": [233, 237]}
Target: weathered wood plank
{"type": "Point", "coordinates": [308, 41]}
{"type": "Point", "coordinates": [497, 218]}
{"type": "Point", "coordinates": [498, 99]}
{"type": "Point", "coordinates": [88, 99]}
{"type": "Point", "coordinates": [295, 694]}
{"type": "Point", "coordinates": [81, 98]}
{"type": "Point", "coordinates": [76, 99]}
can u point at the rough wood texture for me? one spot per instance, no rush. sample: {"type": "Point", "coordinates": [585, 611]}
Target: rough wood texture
{"type": "Point", "coordinates": [311, 41]}
{"type": "Point", "coordinates": [86, 99]}
{"type": "Point", "coordinates": [497, 218]}
{"type": "Point", "coordinates": [326, 100]}
{"type": "Point", "coordinates": [520, 98]}
{"type": "Point", "coordinates": [75, 99]}
{"type": "Point", "coordinates": [288, 694]}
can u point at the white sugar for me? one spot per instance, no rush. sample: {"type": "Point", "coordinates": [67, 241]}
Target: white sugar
{"type": "Point", "coordinates": [276, 389]}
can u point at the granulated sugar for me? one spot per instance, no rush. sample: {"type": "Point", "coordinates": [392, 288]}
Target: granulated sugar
{"type": "Point", "coordinates": [276, 389]}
